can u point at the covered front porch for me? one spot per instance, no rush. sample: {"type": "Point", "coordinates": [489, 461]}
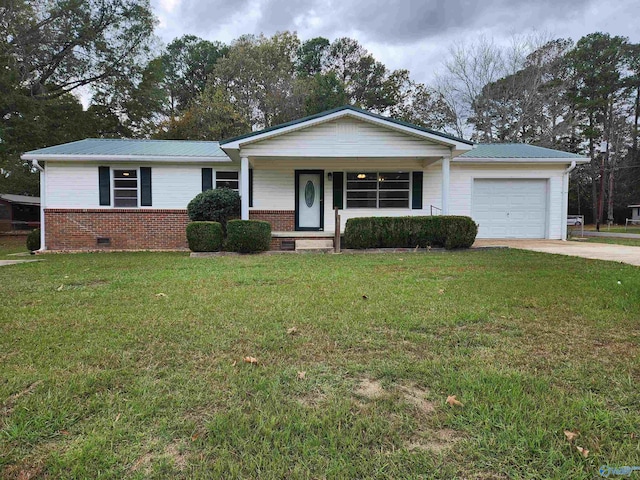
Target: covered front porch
{"type": "Point", "coordinates": [300, 195]}
{"type": "Point", "coordinates": [295, 175]}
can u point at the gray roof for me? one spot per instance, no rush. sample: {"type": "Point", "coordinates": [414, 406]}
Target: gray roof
{"type": "Point", "coordinates": [20, 199]}
{"type": "Point", "coordinates": [515, 150]}
{"type": "Point", "coordinates": [141, 148]}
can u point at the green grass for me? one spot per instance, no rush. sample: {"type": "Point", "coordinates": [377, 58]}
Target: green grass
{"type": "Point", "coordinates": [12, 244]}
{"type": "Point", "coordinates": [101, 377]}
{"type": "Point", "coordinates": [632, 242]}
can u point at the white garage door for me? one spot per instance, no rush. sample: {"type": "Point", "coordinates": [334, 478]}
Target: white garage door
{"type": "Point", "coordinates": [510, 208]}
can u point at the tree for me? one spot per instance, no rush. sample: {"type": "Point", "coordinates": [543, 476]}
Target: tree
{"type": "Point", "coordinates": [324, 92]}
{"type": "Point", "coordinates": [33, 124]}
{"type": "Point", "coordinates": [210, 117]}
{"type": "Point", "coordinates": [597, 63]}
{"type": "Point", "coordinates": [259, 74]}
{"type": "Point", "coordinates": [58, 46]}
{"type": "Point", "coordinates": [312, 56]}
{"type": "Point", "coordinates": [187, 64]}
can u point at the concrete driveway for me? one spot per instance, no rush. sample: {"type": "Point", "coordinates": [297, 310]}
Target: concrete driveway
{"type": "Point", "coordinates": [595, 251]}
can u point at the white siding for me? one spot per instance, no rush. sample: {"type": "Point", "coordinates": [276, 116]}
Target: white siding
{"type": "Point", "coordinates": [345, 137]}
{"type": "Point", "coordinates": [74, 185]}
{"type": "Point", "coordinates": [461, 188]}
{"type": "Point", "coordinates": [274, 186]}
{"type": "Point", "coordinates": [71, 185]}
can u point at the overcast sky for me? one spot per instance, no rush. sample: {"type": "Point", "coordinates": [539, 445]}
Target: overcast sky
{"type": "Point", "coordinates": [412, 34]}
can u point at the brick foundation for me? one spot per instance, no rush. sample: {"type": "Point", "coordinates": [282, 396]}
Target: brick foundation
{"type": "Point", "coordinates": [280, 220]}
{"type": "Point", "coordinates": [139, 229]}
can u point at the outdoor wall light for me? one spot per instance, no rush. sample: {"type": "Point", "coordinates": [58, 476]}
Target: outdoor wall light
{"type": "Point", "coordinates": [362, 175]}
{"type": "Point", "coordinates": [330, 176]}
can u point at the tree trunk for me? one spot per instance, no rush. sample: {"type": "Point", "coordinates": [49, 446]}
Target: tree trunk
{"type": "Point", "coordinates": [610, 197]}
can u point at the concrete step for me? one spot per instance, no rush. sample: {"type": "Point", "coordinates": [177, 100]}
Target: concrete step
{"type": "Point", "coordinates": [321, 245]}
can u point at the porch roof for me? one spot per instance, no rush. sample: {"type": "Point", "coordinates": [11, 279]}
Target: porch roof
{"type": "Point", "coordinates": [343, 108]}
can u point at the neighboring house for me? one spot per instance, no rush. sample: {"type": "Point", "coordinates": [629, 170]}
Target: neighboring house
{"type": "Point", "coordinates": [19, 212]}
{"type": "Point", "coordinates": [132, 194]}
{"type": "Point", "coordinates": [635, 214]}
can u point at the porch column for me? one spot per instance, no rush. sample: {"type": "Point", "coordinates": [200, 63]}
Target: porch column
{"type": "Point", "coordinates": [445, 184]}
{"type": "Point", "coordinates": [244, 188]}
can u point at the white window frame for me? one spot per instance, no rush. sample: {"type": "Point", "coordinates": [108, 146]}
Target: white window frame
{"type": "Point", "coordinates": [377, 190]}
{"type": "Point", "coordinates": [215, 179]}
{"type": "Point", "coordinates": [113, 185]}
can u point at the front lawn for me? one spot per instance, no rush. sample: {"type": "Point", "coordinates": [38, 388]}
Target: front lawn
{"type": "Point", "coordinates": [131, 366]}
{"type": "Point", "coordinates": [12, 244]}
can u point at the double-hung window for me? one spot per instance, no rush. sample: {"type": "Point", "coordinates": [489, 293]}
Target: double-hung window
{"type": "Point", "coordinates": [378, 189]}
{"type": "Point", "coordinates": [125, 188]}
{"type": "Point", "coordinates": [227, 180]}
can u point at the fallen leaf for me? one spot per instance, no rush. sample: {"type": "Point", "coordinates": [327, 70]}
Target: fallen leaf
{"type": "Point", "coordinates": [161, 294]}
{"type": "Point", "coordinates": [194, 437]}
{"type": "Point", "coordinates": [234, 363]}
{"type": "Point", "coordinates": [64, 432]}
{"type": "Point", "coordinates": [571, 436]}
{"type": "Point", "coordinates": [441, 291]}
{"type": "Point", "coordinates": [583, 451]}
{"type": "Point", "coordinates": [66, 276]}
{"type": "Point", "coordinates": [117, 418]}
{"type": "Point", "coordinates": [292, 331]}
{"type": "Point", "coordinates": [60, 288]}
{"type": "Point", "coordinates": [302, 375]}
{"type": "Point", "coordinates": [251, 360]}
{"type": "Point", "coordinates": [364, 297]}
{"type": "Point", "coordinates": [452, 400]}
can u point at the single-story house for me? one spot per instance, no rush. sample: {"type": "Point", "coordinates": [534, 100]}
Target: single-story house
{"type": "Point", "coordinates": [19, 212]}
{"type": "Point", "coordinates": [132, 194]}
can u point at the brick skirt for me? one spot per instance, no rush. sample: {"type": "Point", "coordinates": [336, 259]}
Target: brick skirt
{"type": "Point", "coordinates": [125, 229]}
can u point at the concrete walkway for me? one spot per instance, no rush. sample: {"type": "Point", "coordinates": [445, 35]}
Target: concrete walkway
{"type": "Point", "coordinates": [14, 262]}
{"type": "Point", "coordinates": [595, 251]}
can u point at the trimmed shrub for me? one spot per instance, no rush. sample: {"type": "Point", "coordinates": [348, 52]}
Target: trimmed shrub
{"type": "Point", "coordinates": [204, 236]}
{"type": "Point", "coordinates": [33, 240]}
{"type": "Point", "coordinates": [408, 232]}
{"type": "Point", "coordinates": [219, 205]}
{"type": "Point", "coordinates": [248, 236]}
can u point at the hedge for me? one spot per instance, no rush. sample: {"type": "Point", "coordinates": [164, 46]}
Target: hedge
{"type": "Point", "coordinates": [33, 240]}
{"type": "Point", "coordinates": [219, 205]}
{"type": "Point", "coordinates": [446, 231]}
{"type": "Point", "coordinates": [248, 236]}
{"type": "Point", "coordinates": [204, 236]}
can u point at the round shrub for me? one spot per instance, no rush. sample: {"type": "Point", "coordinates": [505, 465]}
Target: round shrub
{"type": "Point", "coordinates": [33, 240]}
{"type": "Point", "coordinates": [248, 236]}
{"type": "Point", "coordinates": [219, 205]}
{"type": "Point", "coordinates": [204, 236]}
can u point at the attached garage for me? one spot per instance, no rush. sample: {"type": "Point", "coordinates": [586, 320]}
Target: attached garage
{"type": "Point", "coordinates": [513, 190]}
{"type": "Point", "coordinates": [510, 208]}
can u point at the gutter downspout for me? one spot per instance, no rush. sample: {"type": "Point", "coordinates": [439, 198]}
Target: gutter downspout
{"type": "Point", "coordinates": [565, 198]}
{"type": "Point", "coordinates": [43, 189]}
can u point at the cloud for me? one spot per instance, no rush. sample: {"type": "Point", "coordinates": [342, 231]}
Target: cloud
{"type": "Point", "coordinates": [413, 34]}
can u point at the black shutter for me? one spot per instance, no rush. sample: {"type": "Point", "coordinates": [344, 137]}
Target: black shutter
{"type": "Point", "coordinates": [145, 186]}
{"type": "Point", "coordinates": [338, 189]}
{"type": "Point", "coordinates": [207, 179]}
{"type": "Point", "coordinates": [251, 187]}
{"type": "Point", "coordinates": [416, 194]}
{"type": "Point", "coordinates": [104, 185]}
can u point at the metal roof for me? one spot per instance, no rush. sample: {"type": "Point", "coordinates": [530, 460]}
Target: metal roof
{"type": "Point", "coordinates": [20, 199]}
{"type": "Point", "coordinates": [339, 109]}
{"type": "Point", "coordinates": [132, 148]}
{"type": "Point", "coordinates": [515, 150]}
